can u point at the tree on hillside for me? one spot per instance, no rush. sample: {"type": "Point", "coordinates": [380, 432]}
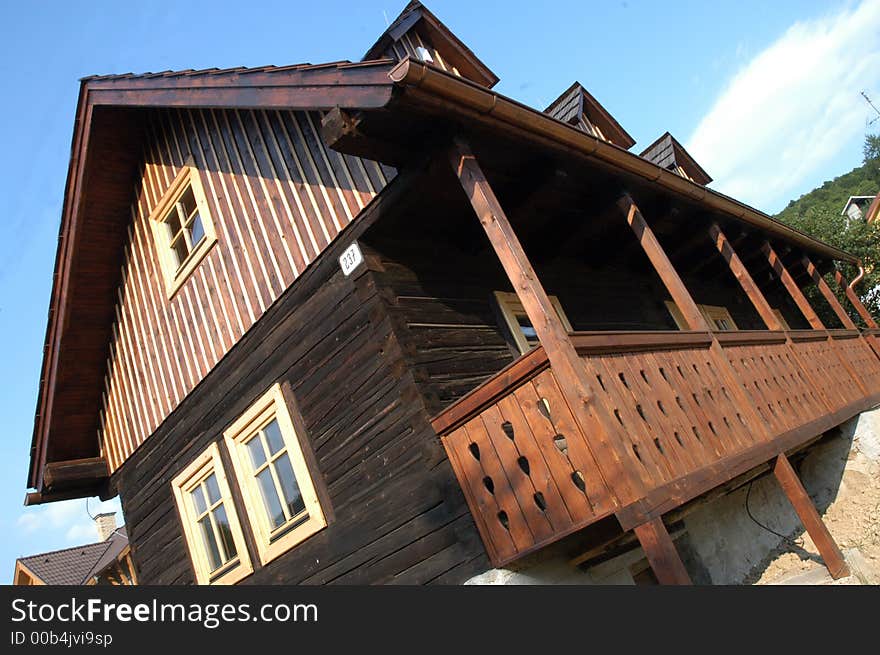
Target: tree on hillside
{"type": "Point", "coordinates": [818, 213]}
{"type": "Point", "coordinates": [871, 150]}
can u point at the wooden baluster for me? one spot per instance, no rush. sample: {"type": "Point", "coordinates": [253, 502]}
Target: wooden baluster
{"type": "Point", "coordinates": [688, 307]}
{"type": "Point", "coordinates": [809, 516]}
{"type": "Point", "coordinates": [741, 273]}
{"type": "Point", "coordinates": [831, 299]}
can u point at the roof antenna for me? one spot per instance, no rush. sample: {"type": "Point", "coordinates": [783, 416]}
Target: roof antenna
{"type": "Point", "coordinates": [868, 100]}
{"type": "Point", "coordinates": [387, 22]}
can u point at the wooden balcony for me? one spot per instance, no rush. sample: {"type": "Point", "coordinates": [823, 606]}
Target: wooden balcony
{"type": "Point", "coordinates": [688, 411]}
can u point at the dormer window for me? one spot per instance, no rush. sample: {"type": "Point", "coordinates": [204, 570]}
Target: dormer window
{"type": "Point", "coordinates": [182, 228]}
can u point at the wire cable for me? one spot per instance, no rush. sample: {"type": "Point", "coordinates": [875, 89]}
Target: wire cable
{"type": "Point", "coordinates": [788, 540]}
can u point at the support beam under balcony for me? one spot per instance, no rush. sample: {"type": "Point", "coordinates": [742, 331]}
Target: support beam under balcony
{"type": "Point", "coordinates": [809, 516]}
{"type": "Point", "coordinates": [661, 553]}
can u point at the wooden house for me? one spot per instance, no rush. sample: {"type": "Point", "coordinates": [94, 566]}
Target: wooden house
{"type": "Point", "coordinates": [375, 322]}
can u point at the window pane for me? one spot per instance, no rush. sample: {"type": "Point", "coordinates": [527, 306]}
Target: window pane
{"type": "Point", "coordinates": [188, 200]}
{"type": "Point", "coordinates": [214, 560]}
{"type": "Point", "coordinates": [179, 251]}
{"type": "Point", "coordinates": [273, 437]}
{"type": "Point", "coordinates": [213, 489]}
{"type": "Point", "coordinates": [173, 222]}
{"type": "Point", "coordinates": [198, 499]}
{"type": "Point", "coordinates": [197, 231]}
{"type": "Point", "coordinates": [258, 455]}
{"type": "Point", "coordinates": [525, 326]}
{"type": "Point", "coordinates": [225, 531]}
{"type": "Point", "coordinates": [270, 498]}
{"type": "Point", "coordinates": [289, 487]}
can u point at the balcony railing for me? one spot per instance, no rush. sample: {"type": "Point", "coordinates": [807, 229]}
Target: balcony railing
{"type": "Point", "coordinates": [688, 411]}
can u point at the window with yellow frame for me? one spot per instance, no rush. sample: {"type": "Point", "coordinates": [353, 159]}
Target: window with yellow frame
{"type": "Point", "coordinates": [717, 317]}
{"type": "Point", "coordinates": [182, 228]}
{"type": "Point", "coordinates": [210, 523]}
{"type": "Point", "coordinates": [518, 322]}
{"type": "Point", "coordinates": [273, 468]}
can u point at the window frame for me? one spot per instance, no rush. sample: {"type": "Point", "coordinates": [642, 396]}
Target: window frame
{"type": "Point", "coordinates": [779, 317]}
{"type": "Point", "coordinates": [510, 306]}
{"type": "Point", "coordinates": [712, 313]}
{"type": "Point", "coordinates": [209, 461]}
{"type": "Point", "coordinates": [273, 542]}
{"type": "Point", "coordinates": [176, 275]}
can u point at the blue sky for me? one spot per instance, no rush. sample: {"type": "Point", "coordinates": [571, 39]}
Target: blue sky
{"type": "Point", "coordinates": [766, 95]}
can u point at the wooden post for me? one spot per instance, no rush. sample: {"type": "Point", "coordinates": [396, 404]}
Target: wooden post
{"type": "Point", "coordinates": [661, 553]}
{"type": "Point", "coordinates": [854, 300]}
{"type": "Point", "coordinates": [564, 360]}
{"type": "Point", "coordinates": [680, 295]}
{"type": "Point", "coordinates": [828, 294]}
{"type": "Point", "coordinates": [694, 317]}
{"type": "Point", "coordinates": [744, 278]}
{"type": "Point", "coordinates": [792, 287]}
{"type": "Point", "coordinates": [806, 510]}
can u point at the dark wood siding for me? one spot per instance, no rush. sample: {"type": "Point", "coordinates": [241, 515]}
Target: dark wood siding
{"type": "Point", "coordinates": [277, 197]}
{"type": "Point", "coordinates": [440, 299]}
{"type": "Point", "coordinates": [399, 515]}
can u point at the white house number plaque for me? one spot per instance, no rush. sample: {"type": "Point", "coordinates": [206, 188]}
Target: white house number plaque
{"type": "Point", "coordinates": [351, 259]}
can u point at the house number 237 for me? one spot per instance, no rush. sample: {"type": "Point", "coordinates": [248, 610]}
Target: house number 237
{"type": "Point", "coordinates": [350, 259]}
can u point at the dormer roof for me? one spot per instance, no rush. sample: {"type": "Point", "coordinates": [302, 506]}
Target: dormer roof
{"type": "Point", "coordinates": [578, 107]}
{"type": "Point", "coordinates": [417, 33]}
{"type": "Point", "coordinates": [668, 153]}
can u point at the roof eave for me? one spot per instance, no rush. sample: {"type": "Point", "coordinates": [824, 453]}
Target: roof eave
{"type": "Point", "coordinates": [468, 97]}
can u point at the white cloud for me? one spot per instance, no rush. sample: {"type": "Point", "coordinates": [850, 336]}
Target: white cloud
{"type": "Point", "coordinates": [66, 522]}
{"type": "Point", "coordinates": [791, 108]}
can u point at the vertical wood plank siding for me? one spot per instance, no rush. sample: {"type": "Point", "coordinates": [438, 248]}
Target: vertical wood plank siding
{"type": "Point", "coordinates": [277, 197]}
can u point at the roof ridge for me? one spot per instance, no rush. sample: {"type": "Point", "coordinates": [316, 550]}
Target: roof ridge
{"type": "Point", "coordinates": [61, 550]}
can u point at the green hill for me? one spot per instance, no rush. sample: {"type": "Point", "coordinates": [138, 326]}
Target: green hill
{"type": "Point", "coordinates": [818, 214]}
{"type": "Point", "coordinates": [829, 198]}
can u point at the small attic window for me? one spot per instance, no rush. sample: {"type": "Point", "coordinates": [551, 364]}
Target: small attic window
{"type": "Point", "coordinates": [182, 228]}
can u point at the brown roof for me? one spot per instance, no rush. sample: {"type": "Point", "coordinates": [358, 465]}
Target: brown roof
{"type": "Point", "coordinates": [467, 63]}
{"type": "Point", "coordinates": [75, 566]}
{"type": "Point", "coordinates": [576, 102]}
{"type": "Point", "coordinates": [667, 151]}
